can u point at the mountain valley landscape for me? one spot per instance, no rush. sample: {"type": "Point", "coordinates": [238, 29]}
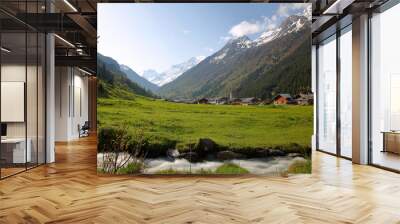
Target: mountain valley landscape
{"type": "Point", "coordinates": [271, 64]}
{"type": "Point", "coordinates": [246, 108]}
{"type": "Point", "coordinates": [172, 73]}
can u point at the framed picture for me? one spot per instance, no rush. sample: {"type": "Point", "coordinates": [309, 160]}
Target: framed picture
{"type": "Point", "coordinates": [216, 88]}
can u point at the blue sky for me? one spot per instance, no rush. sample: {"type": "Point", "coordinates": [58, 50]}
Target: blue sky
{"type": "Point", "coordinates": [157, 36]}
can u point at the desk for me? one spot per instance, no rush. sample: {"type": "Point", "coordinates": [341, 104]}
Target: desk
{"type": "Point", "coordinates": [391, 141]}
{"type": "Point", "coordinates": [13, 150]}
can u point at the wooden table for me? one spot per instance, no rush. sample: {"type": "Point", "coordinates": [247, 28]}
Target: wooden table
{"type": "Point", "coordinates": [391, 141]}
{"type": "Point", "coordinates": [13, 150]}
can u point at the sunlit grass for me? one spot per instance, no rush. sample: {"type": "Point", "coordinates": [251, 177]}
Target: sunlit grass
{"type": "Point", "coordinates": [300, 166]}
{"type": "Point", "coordinates": [231, 168]}
{"type": "Point", "coordinates": [228, 125]}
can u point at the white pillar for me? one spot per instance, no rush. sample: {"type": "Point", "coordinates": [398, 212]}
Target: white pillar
{"type": "Point", "coordinates": [360, 90]}
{"type": "Point", "coordinates": [314, 91]}
{"type": "Point", "coordinates": [50, 99]}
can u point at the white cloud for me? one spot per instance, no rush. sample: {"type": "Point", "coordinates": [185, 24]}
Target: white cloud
{"type": "Point", "coordinates": [186, 32]}
{"type": "Point", "coordinates": [286, 9]}
{"type": "Point", "coordinates": [270, 23]}
{"type": "Point", "coordinates": [265, 23]}
{"type": "Point", "coordinates": [245, 28]}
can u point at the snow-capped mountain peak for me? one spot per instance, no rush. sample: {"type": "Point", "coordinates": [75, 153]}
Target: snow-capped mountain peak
{"type": "Point", "coordinates": [267, 36]}
{"type": "Point", "coordinates": [240, 42]}
{"type": "Point", "coordinates": [293, 24]}
{"type": "Point", "coordinates": [233, 45]}
{"type": "Point", "coordinates": [200, 58]}
{"type": "Point", "coordinates": [172, 73]}
{"type": "Point", "coordinates": [290, 25]}
{"type": "Point", "coordinates": [153, 76]}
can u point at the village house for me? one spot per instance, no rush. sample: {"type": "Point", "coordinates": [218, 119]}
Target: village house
{"type": "Point", "coordinates": [222, 100]}
{"type": "Point", "coordinates": [212, 100]}
{"type": "Point", "coordinates": [225, 100]}
{"type": "Point", "coordinates": [202, 101]}
{"type": "Point", "coordinates": [187, 101]}
{"type": "Point", "coordinates": [283, 98]}
{"type": "Point", "coordinates": [250, 101]}
{"type": "Point", "coordinates": [305, 99]}
{"type": "Point", "coordinates": [235, 101]}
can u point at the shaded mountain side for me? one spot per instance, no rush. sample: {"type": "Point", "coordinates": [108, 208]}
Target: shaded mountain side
{"type": "Point", "coordinates": [142, 82]}
{"type": "Point", "coordinates": [240, 61]}
{"type": "Point", "coordinates": [291, 75]}
{"type": "Point", "coordinates": [209, 75]}
{"type": "Point", "coordinates": [112, 82]}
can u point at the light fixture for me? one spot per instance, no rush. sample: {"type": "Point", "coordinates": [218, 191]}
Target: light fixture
{"type": "Point", "coordinates": [5, 50]}
{"type": "Point", "coordinates": [64, 40]}
{"type": "Point", "coordinates": [80, 51]}
{"type": "Point", "coordinates": [70, 5]}
{"type": "Point", "coordinates": [84, 71]}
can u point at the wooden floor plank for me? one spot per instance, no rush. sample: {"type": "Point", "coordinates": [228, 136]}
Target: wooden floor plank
{"type": "Point", "coordinates": [70, 191]}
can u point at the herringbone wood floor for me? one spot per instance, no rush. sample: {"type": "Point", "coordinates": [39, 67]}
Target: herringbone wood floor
{"type": "Point", "coordinates": [70, 191]}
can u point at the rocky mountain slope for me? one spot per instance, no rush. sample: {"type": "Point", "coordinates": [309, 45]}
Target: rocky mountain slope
{"type": "Point", "coordinates": [278, 61]}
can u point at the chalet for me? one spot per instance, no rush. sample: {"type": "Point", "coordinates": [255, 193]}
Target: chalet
{"type": "Point", "coordinates": [250, 100]}
{"type": "Point", "coordinates": [235, 101]}
{"type": "Point", "coordinates": [283, 98]}
{"type": "Point", "coordinates": [212, 100]}
{"type": "Point", "coordinates": [305, 99]}
{"type": "Point", "coordinates": [202, 101]}
{"type": "Point", "coordinates": [222, 100]}
{"type": "Point", "coordinates": [266, 101]}
{"type": "Point", "coordinates": [188, 101]}
{"type": "Point", "coordinates": [181, 100]}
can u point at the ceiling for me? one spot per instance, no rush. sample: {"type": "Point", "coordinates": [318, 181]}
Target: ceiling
{"type": "Point", "coordinates": [75, 21]}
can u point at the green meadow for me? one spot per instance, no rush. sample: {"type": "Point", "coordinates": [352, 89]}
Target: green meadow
{"type": "Point", "coordinates": [234, 126]}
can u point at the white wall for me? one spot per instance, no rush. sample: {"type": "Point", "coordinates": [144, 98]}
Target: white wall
{"type": "Point", "coordinates": [313, 89]}
{"type": "Point", "coordinates": [62, 81]}
{"type": "Point", "coordinates": [71, 94]}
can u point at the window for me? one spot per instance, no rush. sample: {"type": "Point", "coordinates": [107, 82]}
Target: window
{"type": "Point", "coordinates": [346, 92]}
{"type": "Point", "coordinates": [385, 89]}
{"type": "Point", "coordinates": [327, 95]}
{"type": "Point", "coordinates": [22, 99]}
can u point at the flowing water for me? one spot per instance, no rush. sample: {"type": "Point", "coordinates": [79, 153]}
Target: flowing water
{"type": "Point", "coordinates": [260, 166]}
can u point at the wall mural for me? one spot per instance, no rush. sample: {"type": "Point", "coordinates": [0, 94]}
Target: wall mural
{"type": "Point", "coordinates": [204, 88]}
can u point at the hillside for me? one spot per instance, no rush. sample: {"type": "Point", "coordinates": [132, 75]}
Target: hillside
{"type": "Point", "coordinates": [112, 82]}
{"type": "Point", "coordinates": [279, 60]}
{"type": "Point", "coordinates": [133, 76]}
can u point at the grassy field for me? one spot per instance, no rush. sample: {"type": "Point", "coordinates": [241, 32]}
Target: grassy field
{"type": "Point", "coordinates": [227, 125]}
